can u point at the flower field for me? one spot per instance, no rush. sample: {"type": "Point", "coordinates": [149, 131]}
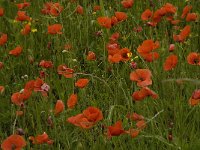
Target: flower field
{"type": "Point", "coordinates": [97, 74]}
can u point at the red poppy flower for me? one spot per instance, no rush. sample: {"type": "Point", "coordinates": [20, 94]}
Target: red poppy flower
{"type": "Point", "coordinates": [114, 37]}
{"type": "Point", "coordinates": [55, 29]}
{"type": "Point", "coordinates": [79, 10]}
{"type": "Point", "coordinates": [175, 22]}
{"type": "Point", "coordinates": [183, 34]}
{"type": "Point", "coordinates": [29, 85]}
{"type": "Point", "coordinates": [115, 130]}
{"type": "Point", "coordinates": [125, 54]}
{"type": "Point", "coordinates": [25, 94]}
{"type": "Point", "coordinates": [193, 102]}
{"type": "Point", "coordinates": [114, 20]}
{"type": "Point", "coordinates": [87, 119]}
{"type": "Point", "coordinates": [14, 141]}
{"type": "Point", "coordinates": [81, 83]}
{"type": "Point", "coordinates": [148, 46]}
{"type": "Point", "coordinates": [2, 89]}
{"type": "Point", "coordinates": [113, 48]}
{"type": "Point", "coordinates": [55, 9]}
{"type": "Point", "coordinates": [191, 17]}
{"type": "Point", "coordinates": [51, 8]}
{"type": "Point", "coordinates": [21, 16]}
{"type": "Point", "coordinates": [37, 84]}
{"type": "Point", "coordinates": [41, 139]}
{"type": "Point", "coordinates": [149, 57]}
{"type": "Point", "coordinates": [142, 77]}
{"type": "Point", "coordinates": [65, 71]}
{"type": "Point", "coordinates": [116, 55]}
{"type": "Point", "coordinates": [16, 52]}
{"type": "Point", "coordinates": [141, 124]}
{"type": "Point", "coordinates": [158, 14]}
{"type": "Point", "coordinates": [72, 101]}
{"type": "Point", "coordinates": [19, 113]}
{"type": "Point", "coordinates": [146, 15]}
{"type": "Point", "coordinates": [18, 98]}
{"type": "Point", "coordinates": [46, 64]}
{"type": "Point", "coordinates": [146, 50]}
{"type": "Point", "coordinates": [81, 121]}
{"type": "Point", "coordinates": [186, 10]}
{"type": "Point", "coordinates": [133, 132]}
{"type": "Point", "coordinates": [127, 3]}
{"type": "Point", "coordinates": [169, 8]}
{"type": "Point", "coordinates": [104, 22]}
{"type": "Point", "coordinates": [121, 16]}
{"type": "Point", "coordinates": [93, 114]}
{"type": "Point", "coordinates": [59, 107]}
{"type": "Point", "coordinates": [23, 5]}
{"type": "Point", "coordinates": [26, 30]}
{"type": "Point", "coordinates": [3, 39]}
{"type": "Point", "coordinates": [46, 8]}
{"type": "Point", "coordinates": [91, 56]}
{"type": "Point", "coordinates": [193, 58]}
{"type": "Point", "coordinates": [41, 86]}
{"type": "Point", "coordinates": [116, 58]}
{"type": "Point", "coordinates": [170, 62]}
{"type": "Point", "coordinates": [1, 11]}
{"type": "Point", "coordinates": [96, 8]}
{"type": "Point", "coordinates": [143, 93]}
{"type": "Point", "coordinates": [135, 117]}
{"type": "Point", "coordinates": [195, 98]}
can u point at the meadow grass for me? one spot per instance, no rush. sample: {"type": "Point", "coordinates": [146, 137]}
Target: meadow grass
{"type": "Point", "coordinates": [110, 87]}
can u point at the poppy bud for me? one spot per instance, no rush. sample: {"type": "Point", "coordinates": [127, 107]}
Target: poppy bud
{"type": "Point", "coordinates": [31, 59]}
{"type": "Point", "coordinates": [42, 74]}
{"type": "Point", "coordinates": [1, 12]}
{"type": "Point", "coordinates": [170, 137]}
{"type": "Point", "coordinates": [91, 56]}
{"type": "Point", "coordinates": [133, 65]}
{"type": "Point", "coordinates": [79, 10]}
{"type": "Point", "coordinates": [171, 47]}
{"type": "Point", "coordinates": [2, 89]}
{"type": "Point", "coordinates": [50, 121]}
{"type": "Point", "coordinates": [22, 105]}
{"type": "Point", "coordinates": [49, 45]}
{"type": "Point", "coordinates": [137, 29]}
{"type": "Point", "coordinates": [98, 33]}
{"type": "Point", "coordinates": [19, 113]}
{"type": "Point", "coordinates": [1, 65]}
{"type": "Point", "coordinates": [20, 131]}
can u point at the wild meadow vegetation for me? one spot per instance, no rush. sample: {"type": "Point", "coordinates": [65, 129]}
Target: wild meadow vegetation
{"type": "Point", "coordinates": [99, 74]}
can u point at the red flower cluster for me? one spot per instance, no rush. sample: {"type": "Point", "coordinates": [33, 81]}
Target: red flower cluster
{"type": "Point", "coordinates": [146, 50]}
{"type": "Point", "coordinates": [87, 119]}
{"type": "Point", "coordinates": [195, 98]}
{"type": "Point", "coordinates": [143, 79]}
{"type": "Point", "coordinates": [107, 22]}
{"type": "Point", "coordinates": [51, 8]}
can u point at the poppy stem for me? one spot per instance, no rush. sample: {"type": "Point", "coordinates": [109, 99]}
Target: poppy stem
{"type": "Point", "coordinates": [149, 120]}
{"type": "Point", "coordinates": [181, 80]}
{"type": "Point", "coordinates": [112, 108]}
{"type": "Point", "coordinates": [14, 124]}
